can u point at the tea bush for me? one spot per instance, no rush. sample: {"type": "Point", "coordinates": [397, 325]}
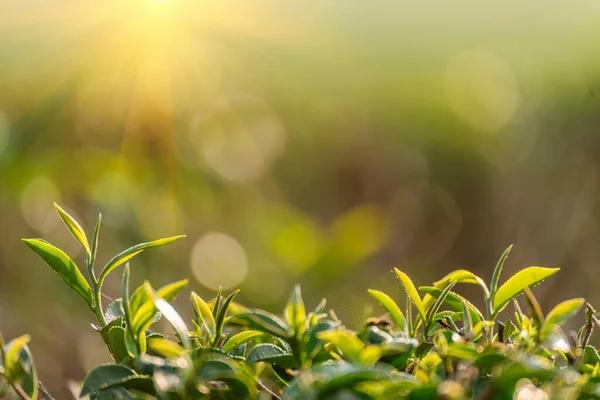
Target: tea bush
{"type": "Point", "coordinates": [438, 346]}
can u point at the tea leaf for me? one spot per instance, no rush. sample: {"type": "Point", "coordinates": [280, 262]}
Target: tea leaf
{"type": "Point", "coordinates": [561, 313]}
{"type": "Point", "coordinates": [220, 319]}
{"type": "Point", "coordinates": [94, 248]}
{"type": "Point", "coordinates": [438, 303]}
{"type": "Point", "coordinates": [262, 321]}
{"type": "Point", "coordinates": [346, 341]}
{"type": "Point", "coordinates": [170, 291]}
{"type": "Point", "coordinates": [454, 301]}
{"type": "Point", "coordinates": [12, 353]}
{"type": "Point", "coordinates": [132, 252]}
{"type": "Point", "coordinates": [116, 343]}
{"type": "Point", "coordinates": [164, 347]}
{"type": "Point", "coordinates": [108, 376]}
{"type": "Point", "coordinates": [265, 352]}
{"type": "Point", "coordinates": [62, 264]}
{"type": "Point", "coordinates": [204, 314]}
{"type": "Point", "coordinates": [498, 270]}
{"type": "Point", "coordinates": [75, 229]}
{"type": "Point", "coordinates": [175, 320]}
{"type": "Point", "coordinates": [239, 339]}
{"type": "Point", "coordinates": [390, 306]}
{"type": "Point", "coordinates": [295, 312]}
{"type": "Point", "coordinates": [515, 285]}
{"type": "Point", "coordinates": [410, 289]}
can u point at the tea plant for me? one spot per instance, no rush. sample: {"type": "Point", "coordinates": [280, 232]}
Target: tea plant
{"type": "Point", "coordinates": [439, 345]}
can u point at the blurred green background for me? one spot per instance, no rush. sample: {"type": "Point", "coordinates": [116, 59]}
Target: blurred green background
{"type": "Point", "coordinates": [319, 142]}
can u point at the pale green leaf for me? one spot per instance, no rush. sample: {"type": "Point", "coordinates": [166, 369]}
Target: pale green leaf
{"type": "Point", "coordinates": [345, 340]}
{"type": "Point", "coordinates": [514, 286]}
{"type": "Point", "coordinates": [390, 306]}
{"type": "Point", "coordinates": [75, 229]}
{"type": "Point", "coordinates": [410, 289]}
{"type": "Point", "coordinates": [295, 312]}
{"type": "Point", "coordinates": [62, 264]}
{"type": "Point", "coordinates": [562, 313]}
{"type": "Point", "coordinates": [133, 251]}
{"type": "Point", "coordinates": [204, 314]}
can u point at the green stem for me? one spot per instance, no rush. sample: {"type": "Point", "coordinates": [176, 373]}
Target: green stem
{"type": "Point", "coordinates": [98, 305]}
{"type": "Point", "coordinates": [97, 291]}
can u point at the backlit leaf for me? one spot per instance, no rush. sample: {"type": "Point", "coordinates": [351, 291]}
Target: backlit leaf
{"type": "Point", "coordinates": [240, 338]}
{"type": "Point", "coordinates": [561, 313]}
{"type": "Point", "coordinates": [514, 286]}
{"type": "Point", "coordinates": [204, 314]}
{"type": "Point", "coordinates": [410, 289]}
{"type": "Point", "coordinates": [75, 229]}
{"type": "Point", "coordinates": [62, 264]}
{"type": "Point", "coordinates": [132, 252]}
{"type": "Point", "coordinates": [390, 306]}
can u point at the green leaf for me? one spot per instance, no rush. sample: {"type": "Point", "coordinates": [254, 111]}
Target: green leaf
{"type": "Point", "coordinates": [12, 353]}
{"type": "Point", "coordinates": [116, 344]}
{"type": "Point", "coordinates": [125, 255]}
{"type": "Point", "coordinates": [561, 313]}
{"type": "Point", "coordinates": [467, 320]}
{"type": "Point", "coordinates": [142, 304]}
{"type": "Point", "coordinates": [438, 303]}
{"type": "Point", "coordinates": [62, 264]}
{"type": "Point", "coordinates": [94, 249]}
{"type": "Point", "coordinates": [262, 321]}
{"type": "Point", "coordinates": [204, 315]}
{"type": "Point", "coordinates": [75, 229]}
{"type": "Point", "coordinates": [140, 296]}
{"type": "Point", "coordinates": [514, 286]}
{"type": "Point", "coordinates": [390, 306]}
{"type": "Point", "coordinates": [265, 352]}
{"type": "Point", "coordinates": [369, 355]}
{"type": "Point", "coordinates": [410, 289]}
{"type": "Point", "coordinates": [164, 347]}
{"type": "Point", "coordinates": [110, 376]}
{"type": "Point", "coordinates": [346, 341]}
{"type": "Point", "coordinates": [239, 339]}
{"type": "Point", "coordinates": [175, 320]}
{"type": "Point", "coordinates": [170, 291]}
{"type": "Point", "coordinates": [498, 270]}
{"type": "Point", "coordinates": [114, 311]}
{"type": "Point", "coordinates": [454, 301]}
{"type": "Point", "coordinates": [295, 312]}
{"type": "Point", "coordinates": [220, 319]}
{"type": "Point", "coordinates": [125, 297]}
{"type": "Point", "coordinates": [217, 302]}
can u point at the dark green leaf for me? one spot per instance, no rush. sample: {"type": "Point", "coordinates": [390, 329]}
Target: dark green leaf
{"type": "Point", "coordinates": [239, 339]}
{"type": "Point", "coordinates": [110, 376]}
{"type": "Point", "coordinates": [262, 321]}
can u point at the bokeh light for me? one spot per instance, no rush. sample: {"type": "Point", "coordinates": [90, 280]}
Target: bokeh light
{"type": "Point", "coordinates": [218, 260]}
{"type": "Point", "coordinates": [482, 89]}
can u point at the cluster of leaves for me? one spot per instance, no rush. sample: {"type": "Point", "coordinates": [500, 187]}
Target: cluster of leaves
{"type": "Point", "coordinates": [440, 346]}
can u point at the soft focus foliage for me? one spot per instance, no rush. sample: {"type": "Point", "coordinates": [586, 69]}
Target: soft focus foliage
{"type": "Point", "coordinates": [311, 142]}
{"type": "Point", "coordinates": [234, 352]}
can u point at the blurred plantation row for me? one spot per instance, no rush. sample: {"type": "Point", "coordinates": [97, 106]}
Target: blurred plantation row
{"type": "Point", "coordinates": [320, 144]}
